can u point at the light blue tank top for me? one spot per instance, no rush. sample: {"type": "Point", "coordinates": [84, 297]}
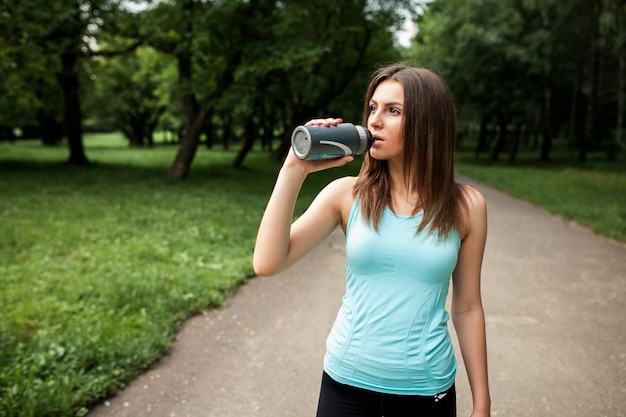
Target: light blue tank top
{"type": "Point", "coordinates": [391, 334]}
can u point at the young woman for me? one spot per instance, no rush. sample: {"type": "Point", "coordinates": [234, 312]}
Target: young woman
{"type": "Point", "coordinates": [409, 227]}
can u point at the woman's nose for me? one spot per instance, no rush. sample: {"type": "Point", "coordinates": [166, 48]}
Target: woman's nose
{"type": "Point", "coordinates": [374, 119]}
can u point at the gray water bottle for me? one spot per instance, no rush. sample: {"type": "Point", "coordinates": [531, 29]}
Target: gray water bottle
{"type": "Point", "coordinates": [326, 142]}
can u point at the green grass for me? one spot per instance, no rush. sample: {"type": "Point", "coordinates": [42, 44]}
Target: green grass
{"type": "Point", "coordinates": [99, 265]}
{"type": "Point", "coordinates": [592, 194]}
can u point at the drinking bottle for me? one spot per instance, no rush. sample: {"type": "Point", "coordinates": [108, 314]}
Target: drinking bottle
{"type": "Point", "coordinates": [325, 142]}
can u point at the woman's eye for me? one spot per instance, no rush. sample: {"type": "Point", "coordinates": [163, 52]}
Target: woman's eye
{"type": "Point", "coordinates": [394, 110]}
{"type": "Point", "coordinates": [372, 108]}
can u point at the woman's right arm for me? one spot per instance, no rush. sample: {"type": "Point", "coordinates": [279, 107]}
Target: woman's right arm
{"type": "Point", "coordinates": [280, 243]}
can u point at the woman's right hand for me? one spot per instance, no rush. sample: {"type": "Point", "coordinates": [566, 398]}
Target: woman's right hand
{"type": "Point", "coordinates": [330, 121]}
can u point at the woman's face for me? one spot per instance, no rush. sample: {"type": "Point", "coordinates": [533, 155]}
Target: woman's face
{"type": "Point", "coordinates": [385, 120]}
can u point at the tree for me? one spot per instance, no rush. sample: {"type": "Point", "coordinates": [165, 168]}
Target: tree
{"type": "Point", "coordinates": [28, 89]}
{"type": "Point", "coordinates": [131, 92]}
{"type": "Point", "coordinates": [171, 28]}
{"type": "Point", "coordinates": [593, 14]}
{"type": "Point", "coordinates": [65, 32]}
{"type": "Point", "coordinates": [476, 46]}
{"type": "Point", "coordinates": [264, 64]}
{"type": "Point", "coordinates": [528, 66]}
{"type": "Point", "coordinates": [315, 59]}
{"type": "Point", "coordinates": [613, 29]}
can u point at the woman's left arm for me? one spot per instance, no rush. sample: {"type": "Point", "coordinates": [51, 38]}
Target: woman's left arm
{"type": "Point", "coordinates": [467, 309]}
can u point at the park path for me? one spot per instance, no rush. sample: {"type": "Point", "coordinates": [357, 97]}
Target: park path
{"type": "Point", "coordinates": [555, 303]}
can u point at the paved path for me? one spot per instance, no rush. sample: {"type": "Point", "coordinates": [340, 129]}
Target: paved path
{"type": "Point", "coordinates": [555, 302]}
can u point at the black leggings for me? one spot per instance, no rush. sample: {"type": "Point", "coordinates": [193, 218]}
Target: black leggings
{"type": "Point", "coordinates": [339, 400]}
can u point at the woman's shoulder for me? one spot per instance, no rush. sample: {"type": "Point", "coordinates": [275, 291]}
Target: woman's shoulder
{"type": "Point", "coordinates": [341, 186]}
{"type": "Point", "coordinates": [473, 198]}
{"type": "Point", "coordinates": [340, 192]}
{"type": "Point", "coordinates": [475, 216]}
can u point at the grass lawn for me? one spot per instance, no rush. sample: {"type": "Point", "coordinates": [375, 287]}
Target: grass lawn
{"type": "Point", "coordinates": [99, 265]}
{"type": "Point", "coordinates": [592, 194]}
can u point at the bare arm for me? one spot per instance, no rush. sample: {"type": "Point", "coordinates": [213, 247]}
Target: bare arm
{"type": "Point", "coordinates": [280, 243]}
{"type": "Point", "coordinates": [467, 310]}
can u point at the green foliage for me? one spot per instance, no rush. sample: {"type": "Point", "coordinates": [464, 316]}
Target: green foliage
{"type": "Point", "coordinates": [259, 66]}
{"type": "Point", "coordinates": [100, 265]}
{"type": "Point", "coordinates": [478, 47]}
{"type": "Point", "coordinates": [27, 73]}
{"type": "Point", "coordinates": [46, 42]}
{"type": "Point", "coordinates": [297, 57]}
{"type": "Point", "coordinates": [549, 67]}
{"type": "Point", "coordinates": [130, 92]}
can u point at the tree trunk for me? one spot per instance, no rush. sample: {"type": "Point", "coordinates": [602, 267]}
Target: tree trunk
{"type": "Point", "coordinates": [594, 67]}
{"type": "Point", "coordinates": [515, 143]}
{"type": "Point", "coordinates": [621, 83]}
{"type": "Point", "coordinates": [209, 131]}
{"type": "Point", "coordinates": [70, 86]}
{"type": "Point", "coordinates": [227, 131]}
{"type": "Point", "coordinates": [6, 133]}
{"type": "Point", "coordinates": [51, 129]}
{"type": "Point", "coordinates": [571, 134]}
{"type": "Point", "coordinates": [500, 144]}
{"type": "Point", "coordinates": [188, 147]}
{"type": "Point", "coordinates": [268, 134]}
{"type": "Point", "coordinates": [546, 124]}
{"type": "Point", "coordinates": [137, 132]}
{"type": "Point", "coordinates": [546, 106]}
{"type": "Point", "coordinates": [482, 136]}
{"type": "Point", "coordinates": [194, 116]}
{"type": "Point", "coordinates": [535, 129]}
{"type": "Point", "coordinates": [152, 120]}
{"type": "Point", "coordinates": [251, 132]}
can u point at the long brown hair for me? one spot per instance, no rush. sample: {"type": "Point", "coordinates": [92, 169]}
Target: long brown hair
{"type": "Point", "coordinates": [429, 134]}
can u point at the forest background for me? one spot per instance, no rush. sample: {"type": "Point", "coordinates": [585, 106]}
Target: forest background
{"type": "Point", "coordinates": [105, 105]}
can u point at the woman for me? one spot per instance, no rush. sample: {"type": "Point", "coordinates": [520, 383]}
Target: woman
{"type": "Point", "coordinates": [409, 228]}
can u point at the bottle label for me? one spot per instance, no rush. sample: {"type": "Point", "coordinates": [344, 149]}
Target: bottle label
{"type": "Point", "coordinates": [346, 149]}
